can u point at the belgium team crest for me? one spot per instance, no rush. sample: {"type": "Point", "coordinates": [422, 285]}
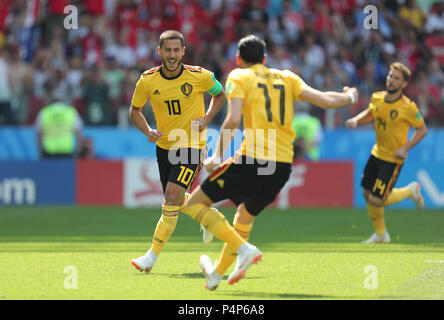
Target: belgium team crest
{"type": "Point", "coordinates": [393, 114]}
{"type": "Point", "coordinates": [186, 88]}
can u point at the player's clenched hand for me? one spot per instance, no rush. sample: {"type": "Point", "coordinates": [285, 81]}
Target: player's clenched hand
{"type": "Point", "coordinates": [211, 163]}
{"type": "Point", "coordinates": [401, 153]}
{"type": "Point", "coordinates": [351, 123]}
{"type": "Point", "coordinates": [154, 135]}
{"type": "Point", "coordinates": [199, 123]}
{"type": "Point", "coordinates": [352, 91]}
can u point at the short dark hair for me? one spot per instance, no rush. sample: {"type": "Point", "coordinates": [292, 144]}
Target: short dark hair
{"type": "Point", "coordinates": [251, 49]}
{"type": "Point", "coordinates": [171, 35]}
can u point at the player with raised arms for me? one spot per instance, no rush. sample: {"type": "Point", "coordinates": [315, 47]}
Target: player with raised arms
{"type": "Point", "coordinates": [265, 98]}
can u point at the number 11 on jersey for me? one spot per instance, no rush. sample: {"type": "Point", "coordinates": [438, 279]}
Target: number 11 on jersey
{"type": "Point", "coordinates": [281, 88]}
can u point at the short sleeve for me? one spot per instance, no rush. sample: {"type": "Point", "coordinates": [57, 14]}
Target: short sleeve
{"type": "Point", "coordinates": [297, 84]}
{"type": "Point", "coordinates": [140, 95]}
{"type": "Point", "coordinates": [414, 117]}
{"type": "Point", "coordinates": [234, 86]}
{"type": "Point", "coordinates": [209, 83]}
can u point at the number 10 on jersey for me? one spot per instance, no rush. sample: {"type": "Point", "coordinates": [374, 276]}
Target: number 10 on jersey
{"type": "Point", "coordinates": [173, 107]}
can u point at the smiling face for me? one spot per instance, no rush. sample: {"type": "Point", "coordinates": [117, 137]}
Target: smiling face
{"type": "Point", "coordinates": [172, 53]}
{"type": "Point", "coordinates": [395, 81]}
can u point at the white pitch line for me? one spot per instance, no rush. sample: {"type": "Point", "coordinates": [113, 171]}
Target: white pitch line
{"type": "Point", "coordinates": [434, 261]}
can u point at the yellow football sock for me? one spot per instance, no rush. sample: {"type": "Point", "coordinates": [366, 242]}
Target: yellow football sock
{"type": "Point", "coordinates": [376, 215]}
{"type": "Point", "coordinates": [228, 254]}
{"type": "Point", "coordinates": [165, 227]}
{"type": "Point", "coordinates": [215, 222]}
{"type": "Point", "coordinates": [397, 195]}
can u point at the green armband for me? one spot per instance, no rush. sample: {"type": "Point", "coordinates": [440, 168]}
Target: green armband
{"type": "Point", "coordinates": [217, 88]}
{"type": "Point", "coordinates": [418, 116]}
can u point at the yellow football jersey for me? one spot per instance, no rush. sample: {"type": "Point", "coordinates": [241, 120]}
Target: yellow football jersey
{"type": "Point", "coordinates": [176, 102]}
{"type": "Point", "coordinates": [392, 122]}
{"type": "Point", "coordinates": [267, 110]}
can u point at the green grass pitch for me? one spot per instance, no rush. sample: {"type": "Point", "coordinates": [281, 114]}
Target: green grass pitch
{"type": "Point", "coordinates": [85, 252]}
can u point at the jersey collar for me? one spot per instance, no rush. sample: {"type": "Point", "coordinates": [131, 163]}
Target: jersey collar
{"type": "Point", "coordinates": [172, 78]}
{"type": "Point", "coordinates": [394, 101]}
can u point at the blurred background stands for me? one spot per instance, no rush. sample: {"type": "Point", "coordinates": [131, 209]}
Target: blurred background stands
{"type": "Point", "coordinates": [95, 67]}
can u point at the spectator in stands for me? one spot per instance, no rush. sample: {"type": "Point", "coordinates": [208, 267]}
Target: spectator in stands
{"type": "Point", "coordinates": [435, 20]}
{"type": "Point", "coordinates": [74, 78]}
{"type": "Point", "coordinates": [256, 15]}
{"type": "Point", "coordinates": [323, 22]}
{"type": "Point", "coordinates": [313, 57]}
{"type": "Point", "coordinates": [92, 47]}
{"type": "Point", "coordinates": [435, 72]}
{"type": "Point", "coordinates": [6, 113]}
{"type": "Point", "coordinates": [368, 83]}
{"type": "Point", "coordinates": [146, 47]}
{"type": "Point", "coordinates": [121, 51]}
{"type": "Point", "coordinates": [279, 58]}
{"type": "Point", "coordinates": [428, 96]}
{"type": "Point", "coordinates": [96, 9]}
{"type": "Point", "coordinates": [18, 71]}
{"type": "Point", "coordinates": [41, 71]}
{"type": "Point", "coordinates": [54, 18]}
{"type": "Point", "coordinates": [114, 77]}
{"type": "Point", "coordinates": [96, 97]}
{"type": "Point", "coordinates": [346, 64]}
{"type": "Point", "coordinates": [292, 22]}
{"type": "Point", "coordinates": [60, 85]}
{"type": "Point", "coordinates": [412, 14]}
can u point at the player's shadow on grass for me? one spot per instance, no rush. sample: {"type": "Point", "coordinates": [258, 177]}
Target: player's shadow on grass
{"type": "Point", "coordinates": [272, 295]}
{"type": "Point", "coordinates": [193, 275]}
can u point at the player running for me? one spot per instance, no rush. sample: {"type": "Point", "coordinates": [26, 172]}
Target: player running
{"type": "Point", "coordinates": [176, 92]}
{"type": "Point", "coordinates": [264, 97]}
{"type": "Point", "coordinates": [393, 114]}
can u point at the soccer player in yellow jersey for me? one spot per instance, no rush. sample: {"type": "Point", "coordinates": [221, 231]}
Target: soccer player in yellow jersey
{"type": "Point", "coordinates": [176, 92]}
{"type": "Point", "coordinates": [265, 98]}
{"type": "Point", "coordinates": [393, 114]}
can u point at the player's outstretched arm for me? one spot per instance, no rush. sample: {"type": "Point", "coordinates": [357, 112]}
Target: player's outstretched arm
{"type": "Point", "coordinates": [138, 119]}
{"type": "Point", "coordinates": [330, 99]}
{"type": "Point", "coordinates": [362, 118]}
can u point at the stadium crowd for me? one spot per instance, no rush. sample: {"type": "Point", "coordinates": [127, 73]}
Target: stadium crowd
{"type": "Point", "coordinates": [94, 66]}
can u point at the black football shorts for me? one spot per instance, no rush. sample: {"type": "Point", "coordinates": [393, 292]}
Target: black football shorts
{"type": "Point", "coordinates": [380, 176]}
{"type": "Point", "coordinates": [179, 166]}
{"type": "Point", "coordinates": [243, 183]}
